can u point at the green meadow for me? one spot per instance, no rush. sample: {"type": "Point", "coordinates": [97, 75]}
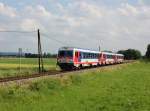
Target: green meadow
{"type": "Point", "coordinates": [123, 87]}
{"type": "Point", "coordinates": [12, 67]}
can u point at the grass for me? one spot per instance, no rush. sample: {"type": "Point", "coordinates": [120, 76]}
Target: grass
{"type": "Point", "coordinates": [117, 88]}
{"type": "Point", "coordinates": [11, 67]}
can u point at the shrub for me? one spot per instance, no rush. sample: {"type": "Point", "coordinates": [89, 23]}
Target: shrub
{"type": "Point", "coordinates": [76, 79]}
{"type": "Point", "coordinates": [35, 86]}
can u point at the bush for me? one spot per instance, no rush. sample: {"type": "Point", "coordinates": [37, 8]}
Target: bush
{"type": "Point", "coordinates": [52, 84]}
{"type": "Point", "coordinates": [45, 84]}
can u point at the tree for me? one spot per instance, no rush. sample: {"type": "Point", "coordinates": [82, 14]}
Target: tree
{"type": "Point", "coordinates": [148, 52]}
{"type": "Point", "coordinates": [130, 54]}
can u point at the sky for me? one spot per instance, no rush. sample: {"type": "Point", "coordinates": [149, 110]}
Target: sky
{"type": "Point", "coordinates": [112, 24]}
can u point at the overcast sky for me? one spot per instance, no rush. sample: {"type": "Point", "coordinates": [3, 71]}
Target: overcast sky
{"type": "Point", "coordinates": [114, 24]}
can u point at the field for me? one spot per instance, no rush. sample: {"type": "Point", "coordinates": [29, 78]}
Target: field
{"type": "Point", "coordinates": [123, 87]}
{"type": "Point", "coordinates": [11, 66]}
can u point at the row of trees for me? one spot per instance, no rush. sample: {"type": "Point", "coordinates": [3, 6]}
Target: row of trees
{"type": "Point", "coordinates": [45, 55]}
{"type": "Point", "coordinates": [132, 54]}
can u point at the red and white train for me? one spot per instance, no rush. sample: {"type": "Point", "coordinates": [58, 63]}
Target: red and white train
{"type": "Point", "coordinates": [73, 58]}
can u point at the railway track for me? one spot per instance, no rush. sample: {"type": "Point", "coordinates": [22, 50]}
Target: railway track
{"type": "Point", "coordinates": [24, 77]}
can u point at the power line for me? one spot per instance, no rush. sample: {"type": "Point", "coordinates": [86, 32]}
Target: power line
{"type": "Point", "coordinates": [45, 35]}
{"type": "Point", "coordinates": [15, 31]}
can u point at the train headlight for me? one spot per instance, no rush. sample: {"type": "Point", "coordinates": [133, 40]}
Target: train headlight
{"type": "Point", "coordinates": [60, 60]}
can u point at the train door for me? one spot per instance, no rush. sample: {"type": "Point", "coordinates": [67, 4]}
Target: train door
{"type": "Point", "coordinates": [76, 58]}
{"type": "Point", "coordinates": [100, 58]}
{"type": "Point", "coordinates": [114, 58]}
{"type": "Point", "coordinates": [79, 56]}
{"type": "Point", "coordinates": [104, 58]}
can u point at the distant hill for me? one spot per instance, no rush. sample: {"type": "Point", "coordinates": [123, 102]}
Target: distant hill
{"type": "Point", "coordinates": [10, 54]}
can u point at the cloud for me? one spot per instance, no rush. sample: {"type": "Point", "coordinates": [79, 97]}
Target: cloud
{"type": "Point", "coordinates": [82, 24]}
{"type": "Point", "coordinates": [128, 10]}
{"type": "Point", "coordinates": [7, 10]}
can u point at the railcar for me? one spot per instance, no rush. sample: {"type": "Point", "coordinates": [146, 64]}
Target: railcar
{"type": "Point", "coordinates": [74, 58]}
{"type": "Point", "coordinates": [119, 58]}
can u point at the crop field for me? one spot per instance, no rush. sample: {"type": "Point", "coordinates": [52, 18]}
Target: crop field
{"type": "Point", "coordinates": [12, 67]}
{"type": "Point", "coordinates": [123, 87]}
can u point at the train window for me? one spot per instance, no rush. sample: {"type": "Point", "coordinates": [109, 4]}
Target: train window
{"type": "Point", "coordinates": [97, 55]}
{"type": "Point", "coordinates": [81, 55]}
{"type": "Point", "coordinates": [111, 56]}
{"type": "Point", "coordinates": [88, 55]}
{"type": "Point", "coordinates": [85, 55]}
{"type": "Point", "coordinates": [108, 56]}
{"type": "Point", "coordinates": [92, 55]}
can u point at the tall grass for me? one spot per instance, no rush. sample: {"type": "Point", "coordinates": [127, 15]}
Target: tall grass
{"type": "Point", "coordinates": [119, 88]}
{"type": "Point", "coordinates": [11, 66]}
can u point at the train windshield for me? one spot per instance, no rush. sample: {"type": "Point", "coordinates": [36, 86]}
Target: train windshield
{"type": "Point", "coordinates": [65, 54]}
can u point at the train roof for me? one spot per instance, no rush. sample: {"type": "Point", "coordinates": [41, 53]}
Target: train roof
{"type": "Point", "coordinates": [120, 54]}
{"type": "Point", "coordinates": [88, 50]}
{"type": "Point", "coordinates": [109, 53]}
{"type": "Point", "coordinates": [80, 49]}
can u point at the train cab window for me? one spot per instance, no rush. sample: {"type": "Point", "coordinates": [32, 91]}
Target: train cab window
{"type": "Point", "coordinates": [65, 53]}
{"type": "Point", "coordinates": [61, 54]}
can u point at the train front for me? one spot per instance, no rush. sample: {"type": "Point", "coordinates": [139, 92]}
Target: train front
{"type": "Point", "coordinates": [65, 58]}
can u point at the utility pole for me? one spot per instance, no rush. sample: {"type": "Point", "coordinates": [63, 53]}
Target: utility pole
{"type": "Point", "coordinates": [20, 55]}
{"type": "Point", "coordinates": [99, 48]}
{"type": "Point", "coordinates": [39, 61]}
{"type": "Point", "coordinates": [40, 55]}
